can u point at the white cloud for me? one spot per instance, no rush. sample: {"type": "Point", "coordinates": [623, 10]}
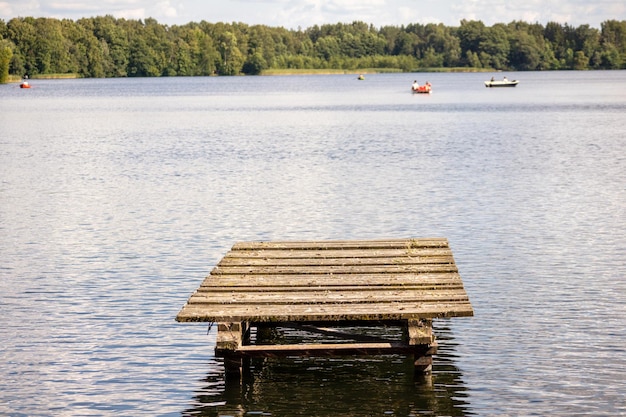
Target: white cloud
{"type": "Point", "coordinates": [165, 9]}
{"type": "Point", "coordinates": [305, 13]}
{"type": "Point", "coordinates": [139, 13]}
{"type": "Point", "coordinates": [5, 8]}
{"type": "Point", "coordinates": [18, 8]}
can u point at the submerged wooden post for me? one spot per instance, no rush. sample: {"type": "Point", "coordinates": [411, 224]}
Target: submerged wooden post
{"type": "Point", "coordinates": [420, 334]}
{"type": "Point", "coordinates": [230, 338]}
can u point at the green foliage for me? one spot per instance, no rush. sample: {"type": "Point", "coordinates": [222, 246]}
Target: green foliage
{"type": "Point", "coordinates": [6, 53]}
{"type": "Point", "coordinates": [254, 64]}
{"type": "Point", "coordinates": [495, 47]}
{"type": "Point", "coordinates": [109, 47]}
{"type": "Point", "coordinates": [525, 53]}
{"type": "Point", "coordinates": [231, 57]}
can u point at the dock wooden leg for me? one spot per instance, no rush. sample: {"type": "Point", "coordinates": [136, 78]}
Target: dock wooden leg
{"type": "Point", "coordinates": [420, 332]}
{"type": "Point", "coordinates": [423, 365]}
{"type": "Point", "coordinates": [233, 367]}
{"type": "Point", "coordinates": [420, 335]}
{"type": "Point", "coordinates": [230, 337]}
{"type": "Point", "coordinates": [424, 360]}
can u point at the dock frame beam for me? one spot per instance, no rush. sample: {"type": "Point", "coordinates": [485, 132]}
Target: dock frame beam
{"type": "Point", "coordinates": [233, 342]}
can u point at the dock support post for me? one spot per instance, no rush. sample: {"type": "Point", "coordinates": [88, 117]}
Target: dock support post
{"type": "Point", "coordinates": [230, 337]}
{"type": "Point", "coordinates": [420, 335]}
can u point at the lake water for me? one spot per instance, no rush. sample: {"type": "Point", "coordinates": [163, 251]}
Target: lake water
{"type": "Point", "coordinates": [118, 196]}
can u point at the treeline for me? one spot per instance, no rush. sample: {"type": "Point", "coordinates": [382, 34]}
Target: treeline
{"type": "Point", "coordinates": [110, 47]}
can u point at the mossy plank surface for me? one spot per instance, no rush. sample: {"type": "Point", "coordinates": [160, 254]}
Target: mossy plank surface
{"type": "Point", "coordinates": [394, 279]}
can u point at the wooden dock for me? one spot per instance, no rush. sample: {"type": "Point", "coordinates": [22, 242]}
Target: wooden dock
{"type": "Point", "coordinates": [337, 289]}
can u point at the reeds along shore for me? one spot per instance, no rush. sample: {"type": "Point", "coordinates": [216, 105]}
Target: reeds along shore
{"type": "Point", "coordinates": [16, 79]}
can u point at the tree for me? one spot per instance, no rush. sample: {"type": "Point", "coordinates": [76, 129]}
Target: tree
{"type": "Point", "coordinates": [389, 34]}
{"type": "Point", "coordinates": [581, 61]}
{"type": "Point", "coordinates": [525, 54]}
{"type": "Point", "coordinates": [114, 34]}
{"type": "Point", "coordinates": [473, 60]}
{"type": "Point", "coordinates": [21, 32]}
{"type": "Point", "coordinates": [49, 47]}
{"type": "Point", "coordinates": [613, 41]}
{"type": "Point", "coordinates": [327, 47]}
{"type": "Point", "coordinates": [143, 61]}
{"type": "Point", "coordinates": [548, 59]}
{"type": "Point", "coordinates": [495, 45]}
{"type": "Point", "coordinates": [587, 39]}
{"type": "Point", "coordinates": [406, 44]}
{"type": "Point", "coordinates": [110, 47]}
{"type": "Point", "coordinates": [610, 57]}
{"type": "Point", "coordinates": [195, 52]}
{"type": "Point", "coordinates": [254, 64]}
{"type": "Point", "coordinates": [471, 34]}
{"type": "Point", "coordinates": [432, 59]}
{"type": "Point", "coordinates": [261, 41]}
{"type": "Point", "coordinates": [182, 63]}
{"type": "Point", "coordinates": [444, 43]}
{"type": "Point", "coordinates": [6, 53]}
{"type": "Point", "coordinates": [208, 57]}
{"type": "Point", "coordinates": [232, 58]}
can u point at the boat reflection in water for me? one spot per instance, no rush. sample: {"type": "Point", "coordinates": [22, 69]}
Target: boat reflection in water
{"type": "Point", "coordinates": [338, 386]}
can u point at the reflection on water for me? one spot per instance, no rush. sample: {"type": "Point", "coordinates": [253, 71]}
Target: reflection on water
{"type": "Point", "coordinates": [337, 386]}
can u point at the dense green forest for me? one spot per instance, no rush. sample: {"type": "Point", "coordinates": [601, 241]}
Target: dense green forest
{"type": "Point", "coordinates": [111, 47]}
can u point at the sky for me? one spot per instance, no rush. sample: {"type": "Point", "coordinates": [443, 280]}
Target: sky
{"type": "Point", "coordinates": [294, 14]}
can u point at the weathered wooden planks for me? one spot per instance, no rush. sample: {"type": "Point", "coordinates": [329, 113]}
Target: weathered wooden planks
{"type": "Point", "coordinates": [339, 295]}
{"type": "Point", "coordinates": [336, 252]}
{"type": "Point", "coordinates": [374, 281]}
{"type": "Point", "coordinates": [397, 279]}
{"type": "Point", "coordinates": [346, 244]}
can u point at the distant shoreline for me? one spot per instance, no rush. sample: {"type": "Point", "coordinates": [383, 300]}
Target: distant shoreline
{"type": "Point", "coordinates": [290, 71]}
{"type": "Point", "coordinates": [368, 71]}
{"type": "Point", "coordinates": [17, 79]}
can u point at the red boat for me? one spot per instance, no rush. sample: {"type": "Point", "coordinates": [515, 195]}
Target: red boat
{"type": "Point", "coordinates": [24, 84]}
{"type": "Point", "coordinates": [422, 89]}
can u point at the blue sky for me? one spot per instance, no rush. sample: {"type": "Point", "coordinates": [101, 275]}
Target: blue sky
{"type": "Point", "coordinates": [292, 14]}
